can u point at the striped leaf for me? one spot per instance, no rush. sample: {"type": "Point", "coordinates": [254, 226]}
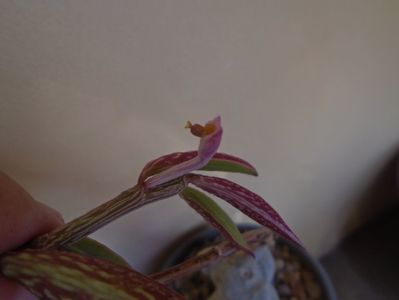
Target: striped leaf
{"type": "Point", "coordinates": [219, 162]}
{"type": "Point", "coordinates": [215, 216]}
{"type": "Point", "coordinates": [246, 201]}
{"type": "Point", "coordinates": [63, 275]}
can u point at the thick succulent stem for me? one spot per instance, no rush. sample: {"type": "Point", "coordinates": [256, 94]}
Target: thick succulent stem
{"type": "Point", "coordinates": [93, 220]}
{"type": "Point", "coordinates": [210, 255]}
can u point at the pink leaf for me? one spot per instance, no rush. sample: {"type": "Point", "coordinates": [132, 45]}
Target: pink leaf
{"type": "Point", "coordinates": [210, 138]}
{"type": "Point", "coordinates": [165, 162]}
{"type": "Point", "coordinates": [246, 201]}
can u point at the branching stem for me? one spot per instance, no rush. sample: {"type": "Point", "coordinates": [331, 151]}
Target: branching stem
{"type": "Point", "coordinates": [209, 256]}
{"type": "Point", "coordinates": [93, 220]}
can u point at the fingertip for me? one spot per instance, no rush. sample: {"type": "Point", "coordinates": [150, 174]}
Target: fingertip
{"type": "Point", "coordinates": [12, 290]}
{"type": "Point", "coordinates": [21, 217]}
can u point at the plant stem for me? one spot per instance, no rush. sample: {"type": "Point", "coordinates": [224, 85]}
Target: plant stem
{"type": "Point", "coordinates": [93, 220]}
{"type": "Point", "coordinates": [210, 255]}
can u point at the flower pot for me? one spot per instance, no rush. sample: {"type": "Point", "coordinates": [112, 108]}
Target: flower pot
{"type": "Point", "coordinates": [297, 274]}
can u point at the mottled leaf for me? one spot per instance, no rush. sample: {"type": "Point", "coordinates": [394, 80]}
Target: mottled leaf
{"type": "Point", "coordinates": [164, 162]}
{"type": "Point", "coordinates": [215, 216]}
{"type": "Point", "coordinates": [92, 248]}
{"type": "Point", "coordinates": [219, 162]}
{"type": "Point", "coordinates": [62, 275]}
{"type": "Point", "coordinates": [246, 201]}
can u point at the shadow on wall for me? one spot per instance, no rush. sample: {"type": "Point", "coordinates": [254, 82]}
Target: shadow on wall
{"type": "Point", "coordinates": [365, 265]}
{"type": "Point", "coordinates": [379, 195]}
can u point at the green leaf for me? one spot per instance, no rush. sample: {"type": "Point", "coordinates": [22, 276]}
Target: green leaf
{"type": "Point", "coordinates": [229, 163]}
{"type": "Point", "coordinates": [92, 248]}
{"type": "Point", "coordinates": [224, 165]}
{"type": "Point", "coordinates": [214, 215]}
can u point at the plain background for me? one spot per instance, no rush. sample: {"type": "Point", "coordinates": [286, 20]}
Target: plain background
{"type": "Point", "coordinates": [307, 90]}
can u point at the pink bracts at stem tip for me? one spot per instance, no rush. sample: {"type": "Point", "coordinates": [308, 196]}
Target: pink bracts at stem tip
{"type": "Point", "coordinates": [210, 137]}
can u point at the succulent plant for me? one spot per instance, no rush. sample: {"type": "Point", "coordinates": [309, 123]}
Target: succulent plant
{"type": "Point", "coordinates": [65, 264]}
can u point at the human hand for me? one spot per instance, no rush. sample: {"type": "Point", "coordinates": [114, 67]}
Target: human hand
{"type": "Point", "coordinates": [21, 219]}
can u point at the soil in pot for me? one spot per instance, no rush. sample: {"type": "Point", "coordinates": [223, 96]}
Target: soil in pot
{"type": "Point", "coordinates": [278, 272]}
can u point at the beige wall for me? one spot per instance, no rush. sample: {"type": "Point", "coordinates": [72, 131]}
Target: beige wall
{"type": "Point", "coordinates": [91, 90]}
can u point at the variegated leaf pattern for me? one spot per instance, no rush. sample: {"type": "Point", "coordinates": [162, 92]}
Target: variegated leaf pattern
{"type": "Point", "coordinates": [60, 275]}
{"type": "Point", "coordinates": [219, 162]}
{"type": "Point", "coordinates": [251, 204]}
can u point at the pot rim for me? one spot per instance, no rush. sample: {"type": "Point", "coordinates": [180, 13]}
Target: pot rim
{"type": "Point", "coordinates": [182, 248]}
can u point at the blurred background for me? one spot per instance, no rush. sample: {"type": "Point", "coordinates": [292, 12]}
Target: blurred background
{"type": "Point", "coordinates": [307, 90]}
